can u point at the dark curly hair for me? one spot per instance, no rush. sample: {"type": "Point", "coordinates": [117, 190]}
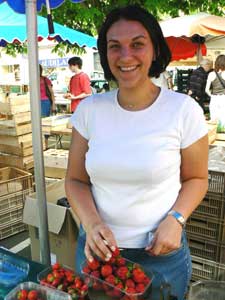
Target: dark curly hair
{"type": "Point", "coordinates": [135, 13]}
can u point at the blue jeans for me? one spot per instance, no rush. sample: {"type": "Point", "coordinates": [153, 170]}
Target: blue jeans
{"type": "Point", "coordinates": [173, 269]}
{"type": "Point", "coordinates": [45, 108]}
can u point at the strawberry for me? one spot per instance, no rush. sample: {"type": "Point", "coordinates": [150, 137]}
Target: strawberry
{"type": "Point", "coordinates": [131, 290]}
{"type": "Point", "coordinates": [95, 274]}
{"type": "Point", "coordinates": [118, 289]}
{"type": "Point", "coordinates": [116, 252]}
{"type": "Point", "coordinates": [50, 278]}
{"type": "Point", "coordinates": [78, 282]}
{"type": "Point", "coordinates": [112, 260]}
{"type": "Point", "coordinates": [22, 295]}
{"type": "Point", "coordinates": [106, 270]}
{"type": "Point", "coordinates": [120, 261]}
{"type": "Point", "coordinates": [94, 264]}
{"type": "Point", "coordinates": [138, 275]}
{"type": "Point", "coordinates": [55, 282]}
{"type": "Point", "coordinates": [123, 272]}
{"type": "Point", "coordinates": [32, 295]}
{"type": "Point", "coordinates": [140, 287]}
{"type": "Point", "coordinates": [146, 280]}
{"type": "Point", "coordinates": [56, 266]}
{"type": "Point", "coordinates": [129, 283]}
{"type": "Point", "coordinates": [97, 286]}
{"type": "Point", "coordinates": [111, 279]}
{"type": "Point", "coordinates": [86, 270]}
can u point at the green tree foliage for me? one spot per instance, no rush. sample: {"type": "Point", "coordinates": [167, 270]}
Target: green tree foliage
{"type": "Point", "coordinates": [87, 16]}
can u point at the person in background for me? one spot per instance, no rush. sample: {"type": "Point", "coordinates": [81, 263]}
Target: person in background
{"type": "Point", "coordinates": [47, 99]}
{"type": "Point", "coordinates": [164, 80]}
{"type": "Point", "coordinates": [137, 165]}
{"type": "Point", "coordinates": [47, 95]}
{"type": "Point", "coordinates": [79, 86]}
{"type": "Point", "coordinates": [197, 82]}
{"type": "Point", "coordinates": [215, 88]}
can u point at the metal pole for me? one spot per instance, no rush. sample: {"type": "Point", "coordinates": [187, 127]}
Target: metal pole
{"type": "Point", "coordinates": [34, 84]}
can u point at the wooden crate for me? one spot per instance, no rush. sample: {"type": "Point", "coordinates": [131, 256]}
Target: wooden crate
{"type": "Point", "coordinates": [55, 122]}
{"type": "Point", "coordinates": [18, 129]}
{"type": "Point", "coordinates": [20, 151]}
{"type": "Point", "coordinates": [220, 136]}
{"type": "Point", "coordinates": [14, 180]}
{"type": "Point", "coordinates": [21, 162]}
{"type": "Point", "coordinates": [58, 173]}
{"type": "Point", "coordinates": [21, 141]}
{"type": "Point", "coordinates": [12, 120]}
{"type": "Point", "coordinates": [15, 104]}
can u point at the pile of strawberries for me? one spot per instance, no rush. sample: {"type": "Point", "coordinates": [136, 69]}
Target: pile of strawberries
{"type": "Point", "coordinates": [118, 277]}
{"type": "Point", "coordinates": [25, 294]}
{"type": "Point", "coordinates": [65, 280]}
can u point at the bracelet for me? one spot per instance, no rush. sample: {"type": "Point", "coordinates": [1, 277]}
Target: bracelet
{"type": "Point", "coordinates": [179, 217]}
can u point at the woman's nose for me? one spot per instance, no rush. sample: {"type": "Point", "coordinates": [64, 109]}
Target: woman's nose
{"type": "Point", "coordinates": [125, 52]}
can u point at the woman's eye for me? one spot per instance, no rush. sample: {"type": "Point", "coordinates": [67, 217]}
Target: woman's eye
{"type": "Point", "coordinates": [113, 46]}
{"type": "Point", "coordinates": [137, 45]}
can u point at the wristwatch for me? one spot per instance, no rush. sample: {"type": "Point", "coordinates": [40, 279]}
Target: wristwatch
{"type": "Point", "coordinates": [180, 219]}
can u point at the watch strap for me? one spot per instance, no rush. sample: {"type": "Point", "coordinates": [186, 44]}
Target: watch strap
{"type": "Point", "coordinates": [178, 216]}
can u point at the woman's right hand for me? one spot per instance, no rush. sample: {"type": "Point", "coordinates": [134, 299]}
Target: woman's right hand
{"type": "Point", "coordinates": [100, 241]}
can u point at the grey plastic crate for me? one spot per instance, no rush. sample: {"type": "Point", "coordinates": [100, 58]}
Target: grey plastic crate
{"type": "Point", "coordinates": [206, 249]}
{"type": "Point", "coordinates": [207, 269]}
{"type": "Point", "coordinates": [45, 292]}
{"type": "Point", "coordinates": [207, 290]}
{"type": "Point", "coordinates": [206, 227]}
{"type": "Point", "coordinates": [216, 181]}
{"type": "Point", "coordinates": [213, 205]}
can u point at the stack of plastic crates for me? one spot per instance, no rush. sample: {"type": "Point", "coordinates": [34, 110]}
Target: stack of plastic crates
{"type": "Point", "coordinates": [15, 184]}
{"type": "Point", "coordinates": [206, 226]}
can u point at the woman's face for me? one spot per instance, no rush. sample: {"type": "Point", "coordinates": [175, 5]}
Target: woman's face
{"type": "Point", "coordinates": [129, 52]}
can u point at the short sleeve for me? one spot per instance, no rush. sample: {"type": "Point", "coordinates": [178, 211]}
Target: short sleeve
{"type": "Point", "coordinates": [79, 118]}
{"type": "Point", "coordinates": [193, 124]}
{"type": "Point", "coordinates": [85, 83]}
{"type": "Point", "coordinates": [48, 81]}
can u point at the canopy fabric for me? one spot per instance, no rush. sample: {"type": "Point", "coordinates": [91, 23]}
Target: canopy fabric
{"type": "Point", "coordinates": [202, 24]}
{"type": "Point", "coordinates": [183, 48]}
{"type": "Point", "coordinates": [179, 30]}
{"type": "Point", "coordinates": [19, 5]}
{"type": "Point", "coordinates": [13, 30]}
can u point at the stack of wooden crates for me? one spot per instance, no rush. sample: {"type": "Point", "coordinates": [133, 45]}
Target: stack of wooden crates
{"type": "Point", "coordinates": [15, 184]}
{"type": "Point", "coordinates": [15, 132]}
{"type": "Point", "coordinates": [206, 226]}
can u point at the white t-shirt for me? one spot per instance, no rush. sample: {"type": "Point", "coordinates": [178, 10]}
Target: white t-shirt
{"type": "Point", "coordinates": [134, 159]}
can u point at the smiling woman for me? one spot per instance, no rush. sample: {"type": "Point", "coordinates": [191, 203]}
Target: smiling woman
{"type": "Point", "coordinates": [138, 158]}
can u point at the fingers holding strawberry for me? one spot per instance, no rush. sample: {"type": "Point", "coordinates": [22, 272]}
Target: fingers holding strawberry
{"type": "Point", "coordinates": [100, 241]}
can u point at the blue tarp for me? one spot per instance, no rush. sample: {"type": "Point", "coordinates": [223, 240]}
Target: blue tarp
{"type": "Point", "coordinates": [13, 27]}
{"type": "Point", "coordinates": [19, 5]}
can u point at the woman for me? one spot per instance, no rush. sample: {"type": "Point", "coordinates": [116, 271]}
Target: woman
{"type": "Point", "coordinates": [46, 91]}
{"type": "Point", "coordinates": [47, 99]}
{"type": "Point", "coordinates": [138, 158]}
{"type": "Point", "coordinates": [215, 88]}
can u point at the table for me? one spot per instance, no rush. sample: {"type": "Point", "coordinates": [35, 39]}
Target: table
{"type": "Point", "coordinates": [59, 133]}
{"type": "Point", "coordinates": [35, 267]}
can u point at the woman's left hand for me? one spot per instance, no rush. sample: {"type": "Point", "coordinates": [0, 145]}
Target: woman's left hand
{"type": "Point", "coordinates": [167, 237]}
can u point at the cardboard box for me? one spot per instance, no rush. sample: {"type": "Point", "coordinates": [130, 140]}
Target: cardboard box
{"type": "Point", "coordinates": [55, 161]}
{"type": "Point", "coordinates": [63, 226]}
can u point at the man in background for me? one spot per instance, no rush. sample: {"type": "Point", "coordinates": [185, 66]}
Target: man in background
{"type": "Point", "coordinates": [79, 86]}
{"type": "Point", "coordinates": [197, 82]}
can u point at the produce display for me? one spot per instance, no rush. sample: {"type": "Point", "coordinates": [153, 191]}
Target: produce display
{"type": "Point", "coordinates": [65, 280]}
{"type": "Point", "coordinates": [117, 278]}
